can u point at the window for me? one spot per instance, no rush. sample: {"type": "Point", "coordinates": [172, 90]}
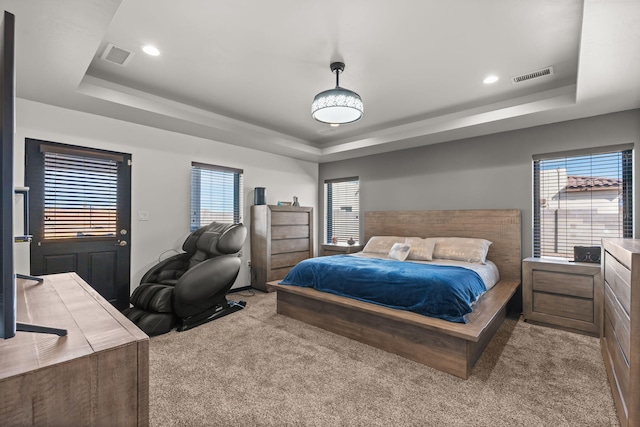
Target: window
{"type": "Point", "coordinates": [342, 201]}
{"type": "Point", "coordinates": [581, 197]}
{"type": "Point", "coordinates": [80, 194]}
{"type": "Point", "coordinates": [216, 194]}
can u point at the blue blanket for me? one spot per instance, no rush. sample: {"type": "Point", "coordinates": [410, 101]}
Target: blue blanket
{"type": "Point", "coordinates": [445, 292]}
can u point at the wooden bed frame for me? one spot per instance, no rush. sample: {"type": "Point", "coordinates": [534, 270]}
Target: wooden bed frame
{"type": "Point", "coordinates": [446, 346]}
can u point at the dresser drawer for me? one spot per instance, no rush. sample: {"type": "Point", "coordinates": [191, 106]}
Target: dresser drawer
{"type": "Point", "coordinates": [289, 218]}
{"type": "Point", "coordinates": [289, 245]}
{"type": "Point", "coordinates": [619, 364]}
{"type": "Point", "coordinates": [563, 306]}
{"type": "Point", "coordinates": [618, 277]}
{"type": "Point", "coordinates": [278, 273]}
{"type": "Point", "coordinates": [619, 319]}
{"type": "Point", "coordinates": [575, 285]}
{"type": "Point", "coordinates": [288, 259]}
{"type": "Point", "coordinates": [289, 232]}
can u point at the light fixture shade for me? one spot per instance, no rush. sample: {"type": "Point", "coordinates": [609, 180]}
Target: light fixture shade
{"type": "Point", "coordinates": [337, 106]}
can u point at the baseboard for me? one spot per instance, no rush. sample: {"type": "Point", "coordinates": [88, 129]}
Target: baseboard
{"type": "Point", "coordinates": [240, 289]}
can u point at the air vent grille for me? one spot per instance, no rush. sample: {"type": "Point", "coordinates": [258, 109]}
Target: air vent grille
{"type": "Point", "coordinates": [116, 54]}
{"type": "Point", "coordinates": [532, 75]}
{"type": "Point", "coordinates": [326, 131]}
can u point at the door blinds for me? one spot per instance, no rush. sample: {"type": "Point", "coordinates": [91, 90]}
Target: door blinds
{"type": "Point", "coordinates": [80, 196]}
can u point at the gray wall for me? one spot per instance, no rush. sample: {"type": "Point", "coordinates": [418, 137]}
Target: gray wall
{"type": "Point", "coordinates": [487, 172]}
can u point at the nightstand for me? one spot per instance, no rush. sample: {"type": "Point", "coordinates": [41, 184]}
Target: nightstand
{"type": "Point", "coordinates": [340, 248]}
{"type": "Point", "coordinates": [562, 294]}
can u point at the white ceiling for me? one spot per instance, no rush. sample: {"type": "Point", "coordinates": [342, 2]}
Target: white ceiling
{"type": "Point", "coordinates": [245, 72]}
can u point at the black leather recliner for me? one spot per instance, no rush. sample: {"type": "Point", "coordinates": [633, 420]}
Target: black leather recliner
{"type": "Point", "coordinates": [189, 289]}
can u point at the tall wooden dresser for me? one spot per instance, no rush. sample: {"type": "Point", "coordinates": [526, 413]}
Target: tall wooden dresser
{"type": "Point", "coordinates": [281, 236]}
{"type": "Point", "coordinates": [620, 341]}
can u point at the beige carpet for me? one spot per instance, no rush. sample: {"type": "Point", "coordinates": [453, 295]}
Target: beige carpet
{"type": "Point", "coordinates": [257, 368]}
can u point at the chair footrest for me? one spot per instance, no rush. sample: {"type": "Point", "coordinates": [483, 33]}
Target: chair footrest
{"type": "Point", "coordinates": [151, 323]}
{"type": "Point", "coordinates": [213, 314]}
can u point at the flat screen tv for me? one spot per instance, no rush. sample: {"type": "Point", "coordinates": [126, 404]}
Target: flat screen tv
{"type": "Point", "coordinates": [7, 107]}
{"type": "Point", "coordinates": [8, 324]}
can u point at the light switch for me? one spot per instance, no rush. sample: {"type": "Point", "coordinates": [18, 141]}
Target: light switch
{"type": "Point", "coordinates": [143, 215]}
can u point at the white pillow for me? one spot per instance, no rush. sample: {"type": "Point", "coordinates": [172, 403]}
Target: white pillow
{"type": "Point", "coordinates": [421, 249]}
{"type": "Point", "coordinates": [399, 251]}
{"type": "Point", "coordinates": [381, 244]}
{"type": "Point", "coordinates": [462, 249]}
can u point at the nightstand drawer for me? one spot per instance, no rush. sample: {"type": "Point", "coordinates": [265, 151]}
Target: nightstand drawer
{"type": "Point", "coordinates": [562, 283]}
{"type": "Point", "coordinates": [563, 306]}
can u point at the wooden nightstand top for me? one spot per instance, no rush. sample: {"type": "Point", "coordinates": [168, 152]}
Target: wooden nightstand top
{"type": "Point", "coordinates": [340, 248]}
{"type": "Point", "coordinates": [561, 264]}
{"type": "Point", "coordinates": [342, 245]}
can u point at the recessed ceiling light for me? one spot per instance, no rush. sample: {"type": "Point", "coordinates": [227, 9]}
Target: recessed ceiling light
{"type": "Point", "coordinates": [490, 79]}
{"type": "Point", "coordinates": [150, 50]}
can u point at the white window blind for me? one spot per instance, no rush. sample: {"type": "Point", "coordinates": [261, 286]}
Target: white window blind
{"type": "Point", "coordinates": [80, 196]}
{"type": "Point", "coordinates": [580, 198]}
{"type": "Point", "coordinates": [342, 216]}
{"type": "Point", "coordinates": [216, 194]}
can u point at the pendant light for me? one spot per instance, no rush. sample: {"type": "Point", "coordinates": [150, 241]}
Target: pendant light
{"type": "Point", "coordinates": [339, 105]}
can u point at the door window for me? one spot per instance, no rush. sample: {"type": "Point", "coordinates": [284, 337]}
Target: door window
{"type": "Point", "coordinates": [80, 196]}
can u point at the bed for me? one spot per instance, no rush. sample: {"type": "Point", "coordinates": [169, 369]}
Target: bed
{"type": "Point", "coordinates": [447, 346]}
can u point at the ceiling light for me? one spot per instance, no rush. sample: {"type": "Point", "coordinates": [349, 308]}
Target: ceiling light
{"type": "Point", "coordinates": [150, 50]}
{"type": "Point", "coordinates": [339, 105]}
{"type": "Point", "coordinates": [490, 79]}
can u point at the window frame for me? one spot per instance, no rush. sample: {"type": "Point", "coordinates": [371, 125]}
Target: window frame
{"type": "Point", "coordinates": [107, 166]}
{"type": "Point", "coordinates": [195, 206]}
{"type": "Point", "coordinates": [626, 191]}
{"type": "Point", "coordinates": [328, 220]}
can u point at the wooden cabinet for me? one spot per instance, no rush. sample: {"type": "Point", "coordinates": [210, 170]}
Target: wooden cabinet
{"type": "Point", "coordinates": [281, 237]}
{"type": "Point", "coordinates": [340, 248]}
{"type": "Point", "coordinates": [96, 375]}
{"type": "Point", "coordinates": [562, 294]}
{"type": "Point", "coordinates": [620, 341]}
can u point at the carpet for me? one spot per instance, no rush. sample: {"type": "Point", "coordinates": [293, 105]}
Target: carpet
{"type": "Point", "coordinates": [258, 368]}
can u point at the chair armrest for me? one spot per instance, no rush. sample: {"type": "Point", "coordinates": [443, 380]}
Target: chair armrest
{"type": "Point", "coordinates": [176, 262]}
{"type": "Point", "coordinates": [207, 279]}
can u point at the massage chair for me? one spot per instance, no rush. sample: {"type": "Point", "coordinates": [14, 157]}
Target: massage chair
{"type": "Point", "coordinates": [189, 289]}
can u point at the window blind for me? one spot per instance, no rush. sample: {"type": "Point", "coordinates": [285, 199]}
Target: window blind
{"type": "Point", "coordinates": [215, 194]}
{"type": "Point", "coordinates": [342, 216]}
{"type": "Point", "coordinates": [80, 196]}
{"type": "Point", "coordinates": [581, 198]}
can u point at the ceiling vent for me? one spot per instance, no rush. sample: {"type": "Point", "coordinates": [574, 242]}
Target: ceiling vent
{"type": "Point", "coordinates": [327, 131]}
{"type": "Point", "coordinates": [532, 75]}
{"type": "Point", "coordinates": [116, 55]}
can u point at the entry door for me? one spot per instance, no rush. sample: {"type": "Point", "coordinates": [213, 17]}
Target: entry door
{"type": "Point", "coordinates": [80, 215]}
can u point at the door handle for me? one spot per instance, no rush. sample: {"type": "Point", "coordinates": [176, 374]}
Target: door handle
{"type": "Point", "coordinates": [121, 243]}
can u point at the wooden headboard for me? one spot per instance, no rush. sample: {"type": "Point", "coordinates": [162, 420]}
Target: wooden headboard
{"type": "Point", "coordinates": [500, 226]}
